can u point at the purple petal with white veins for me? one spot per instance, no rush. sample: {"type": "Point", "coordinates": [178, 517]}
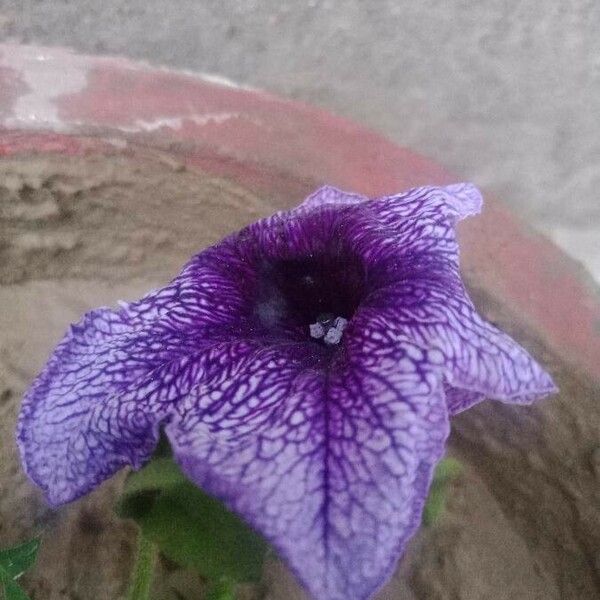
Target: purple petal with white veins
{"type": "Point", "coordinates": [458, 399]}
{"type": "Point", "coordinates": [451, 203]}
{"type": "Point", "coordinates": [98, 403]}
{"type": "Point", "coordinates": [438, 314]}
{"type": "Point", "coordinates": [209, 293]}
{"type": "Point", "coordinates": [332, 464]}
{"type": "Point", "coordinates": [432, 307]}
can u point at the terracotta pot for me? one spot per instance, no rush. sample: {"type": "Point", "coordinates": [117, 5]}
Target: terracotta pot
{"type": "Point", "coordinates": [112, 173]}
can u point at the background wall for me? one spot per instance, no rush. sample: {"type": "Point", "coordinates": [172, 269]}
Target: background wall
{"type": "Point", "coordinates": [506, 93]}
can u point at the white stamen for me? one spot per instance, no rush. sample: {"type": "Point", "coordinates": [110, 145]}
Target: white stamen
{"type": "Point", "coordinates": [340, 323]}
{"type": "Point", "coordinates": [317, 330]}
{"type": "Point", "coordinates": [328, 328]}
{"type": "Point", "coordinates": [333, 336]}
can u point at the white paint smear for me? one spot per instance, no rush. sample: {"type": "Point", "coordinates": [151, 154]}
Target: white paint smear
{"type": "Point", "coordinates": [48, 74]}
{"type": "Point", "coordinates": [177, 122]}
{"type": "Point", "coordinates": [51, 73]}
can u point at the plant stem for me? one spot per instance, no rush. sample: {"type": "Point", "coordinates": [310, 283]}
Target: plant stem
{"type": "Point", "coordinates": [143, 570]}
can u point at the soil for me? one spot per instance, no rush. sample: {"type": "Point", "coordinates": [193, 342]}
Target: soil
{"type": "Point", "coordinates": [522, 522]}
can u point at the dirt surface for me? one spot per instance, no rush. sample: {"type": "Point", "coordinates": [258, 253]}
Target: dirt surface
{"type": "Point", "coordinates": [523, 521]}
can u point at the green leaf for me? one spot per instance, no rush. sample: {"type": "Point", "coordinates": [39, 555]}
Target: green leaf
{"type": "Point", "coordinates": [190, 527]}
{"type": "Point", "coordinates": [16, 560]}
{"type": "Point", "coordinates": [224, 589]}
{"type": "Point", "coordinates": [446, 471]}
{"type": "Point", "coordinates": [158, 474]}
{"type": "Point", "coordinates": [12, 591]}
{"type": "Point", "coordinates": [435, 505]}
{"type": "Point", "coordinates": [143, 570]}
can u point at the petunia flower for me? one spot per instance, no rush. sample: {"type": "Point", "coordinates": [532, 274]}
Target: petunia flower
{"type": "Point", "coordinates": [304, 370]}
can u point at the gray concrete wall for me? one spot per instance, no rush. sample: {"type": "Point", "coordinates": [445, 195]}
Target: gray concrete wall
{"type": "Point", "coordinates": [506, 93]}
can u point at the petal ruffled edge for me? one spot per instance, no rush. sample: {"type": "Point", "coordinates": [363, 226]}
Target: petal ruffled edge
{"type": "Point", "coordinates": [329, 195]}
{"type": "Point", "coordinates": [477, 358]}
{"type": "Point", "coordinates": [453, 202]}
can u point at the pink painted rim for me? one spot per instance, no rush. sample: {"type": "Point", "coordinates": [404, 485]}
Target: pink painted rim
{"type": "Point", "coordinates": [52, 100]}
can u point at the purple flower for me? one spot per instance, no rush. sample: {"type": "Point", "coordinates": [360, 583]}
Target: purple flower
{"type": "Point", "coordinates": [304, 370]}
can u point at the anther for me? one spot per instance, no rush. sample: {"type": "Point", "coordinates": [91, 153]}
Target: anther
{"type": "Point", "coordinates": [328, 328]}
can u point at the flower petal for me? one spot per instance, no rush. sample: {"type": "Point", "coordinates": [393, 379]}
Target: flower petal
{"type": "Point", "coordinates": [396, 237]}
{"type": "Point", "coordinates": [208, 294]}
{"type": "Point", "coordinates": [437, 313]}
{"type": "Point", "coordinates": [388, 234]}
{"type": "Point", "coordinates": [98, 403]}
{"type": "Point", "coordinates": [454, 202]}
{"type": "Point", "coordinates": [458, 399]}
{"type": "Point", "coordinates": [332, 466]}
{"type": "Point", "coordinates": [327, 195]}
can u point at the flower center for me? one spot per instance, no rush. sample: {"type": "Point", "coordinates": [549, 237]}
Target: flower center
{"type": "Point", "coordinates": [314, 297]}
{"type": "Point", "coordinates": [328, 328]}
